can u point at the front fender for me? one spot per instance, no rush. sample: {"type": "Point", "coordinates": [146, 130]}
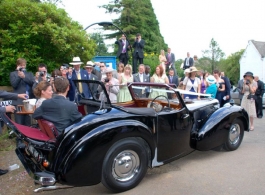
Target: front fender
{"type": "Point", "coordinates": [83, 166]}
{"type": "Point", "coordinates": [215, 131]}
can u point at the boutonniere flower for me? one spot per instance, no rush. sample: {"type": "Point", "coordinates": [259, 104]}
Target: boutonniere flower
{"type": "Point", "coordinates": [93, 78]}
{"type": "Point", "coordinates": [84, 75]}
{"type": "Point", "coordinates": [145, 80]}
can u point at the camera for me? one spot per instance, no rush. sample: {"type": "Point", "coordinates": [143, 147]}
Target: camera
{"type": "Point", "coordinates": [41, 73]}
{"type": "Point", "coordinates": [106, 80]}
{"type": "Point", "coordinates": [247, 82]}
{"type": "Point", "coordinates": [20, 69]}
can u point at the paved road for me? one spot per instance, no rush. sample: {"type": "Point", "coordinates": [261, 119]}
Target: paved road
{"type": "Point", "coordinates": [212, 172]}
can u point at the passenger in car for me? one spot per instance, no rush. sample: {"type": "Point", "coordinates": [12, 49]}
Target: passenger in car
{"type": "Point", "coordinates": [42, 91]}
{"type": "Point", "coordinates": [58, 110]}
{"type": "Point", "coordinates": [192, 83]}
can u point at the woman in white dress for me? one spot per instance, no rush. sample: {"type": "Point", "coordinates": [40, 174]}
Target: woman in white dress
{"type": "Point", "coordinates": [158, 77]}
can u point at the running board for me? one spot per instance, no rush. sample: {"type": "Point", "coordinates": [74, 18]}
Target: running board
{"type": "Point", "coordinates": [48, 188]}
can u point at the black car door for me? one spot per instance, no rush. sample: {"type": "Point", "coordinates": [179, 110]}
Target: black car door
{"type": "Point", "coordinates": [173, 134]}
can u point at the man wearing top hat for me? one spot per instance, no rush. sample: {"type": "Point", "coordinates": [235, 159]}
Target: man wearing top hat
{"type": "Point", "coordinates": [79, 74]}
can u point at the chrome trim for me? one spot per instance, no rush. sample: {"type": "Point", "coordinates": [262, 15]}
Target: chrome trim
{"type": "Point", "coordinates": [44, 181]}
{"type": "Point", "coordinates": [234, 134]}
{"type": "Point", "coordinates": [154, 161]}
{"type": "Point", "coordinates": [47, 188]}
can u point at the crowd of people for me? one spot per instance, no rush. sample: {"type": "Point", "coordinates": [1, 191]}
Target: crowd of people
{"type": "Point", "coordinates": [55, 91]}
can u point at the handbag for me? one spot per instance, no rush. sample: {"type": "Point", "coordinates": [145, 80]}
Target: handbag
{"type": "Point", "coordinates": [252, 96]}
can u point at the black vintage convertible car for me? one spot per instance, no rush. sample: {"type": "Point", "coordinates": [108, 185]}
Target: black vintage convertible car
{"type": "Point", "coordinates": [118, 142]}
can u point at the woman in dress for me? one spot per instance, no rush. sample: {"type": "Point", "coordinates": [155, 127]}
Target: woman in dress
{"type": "Point", "coordinates": [248, 103]}
{"type": "Point", "coordinates": [124, 94]}
{"type": "Point", "coordinates": [120, 69]}
{"type": "Point", "coordinates": [220, 87]}
{"type": "Point", "coordinates": [203, 83]}
{"type": "Point", "coordinates": [158, 77]}
{"type": "Point", "coordinates": [43, 91]}
{"type": "Point", "coordinates": [192, 83]}
{"type": "Point", "coordinates": [111, 85]}
{"type": "Point", "coordinates": [163, 60]}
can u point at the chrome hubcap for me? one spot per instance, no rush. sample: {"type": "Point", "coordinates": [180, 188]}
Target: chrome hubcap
{"type": "Point", "coordinates": [234, 133]}
{"type": "Point", "coordinates": [125, 165]}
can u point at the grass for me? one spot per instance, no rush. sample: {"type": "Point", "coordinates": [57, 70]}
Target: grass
{"type": "Point", "coordinates": [6, 143]}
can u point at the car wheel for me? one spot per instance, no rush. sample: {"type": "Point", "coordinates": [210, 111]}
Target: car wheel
{"type": "Point", "coordinates": [235, 135]}
{"type": "Point", "coordinates": [125, 165]}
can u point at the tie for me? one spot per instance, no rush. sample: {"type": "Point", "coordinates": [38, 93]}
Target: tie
{"type": "Point", "coordinates": [79, 83]}
{"type": "Point", "coordinates": [170, 79]}
{"type": "Point", "coordinates": [88, 76]}
{"type": "Point", "coordinates": [169, 57]}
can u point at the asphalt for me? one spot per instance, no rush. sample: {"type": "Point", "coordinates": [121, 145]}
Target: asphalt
{"type": "Point", "coordinates": [202, 173]}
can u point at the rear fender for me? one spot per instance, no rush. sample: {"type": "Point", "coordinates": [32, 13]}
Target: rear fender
{"type": "Point", "coordinates": [215, 131]}
{"type": "Point", "coordinates": [83, 165]}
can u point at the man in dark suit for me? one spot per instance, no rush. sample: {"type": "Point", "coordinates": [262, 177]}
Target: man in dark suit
{"type": "Point", "coordinates": [259, 93]}
{"type": "Point", "coordinates": [91, 76]}
{"type": "Point", "coordinates": [9, 108]}
{"type": "Point", "coordinates": [172, 78]}
{"type": "Point", "coordinates": [79, 74]}
{"type": "Point", "coordinates": [141, 77]}
{"type": "Point", "coordinates": [58, 110]}
{"type": "Point", "coordinates": [123, 49]}
{"type": "Point", "coordinates": [22, 82]}
{"type": "Point", "coordinates": [188, 62]}
{"type": "Point", "coordinates": [138, 54]}
{"type": "Point", "coordinates": [170, 61]}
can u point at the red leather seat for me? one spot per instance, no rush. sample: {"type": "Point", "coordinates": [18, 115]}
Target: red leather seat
{"type": "Point", "coordinates": [48, 128]}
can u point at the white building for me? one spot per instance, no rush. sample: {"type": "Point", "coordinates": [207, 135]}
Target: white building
{"type": "Point", "coordinates": [253, 59]}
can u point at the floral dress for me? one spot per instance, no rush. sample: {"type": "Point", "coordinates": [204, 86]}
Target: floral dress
{"type": "Point", "coordinates": [124, 94]}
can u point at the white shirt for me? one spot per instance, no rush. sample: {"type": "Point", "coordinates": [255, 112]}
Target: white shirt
{"type": "Point", "coordinates": [141, 76]}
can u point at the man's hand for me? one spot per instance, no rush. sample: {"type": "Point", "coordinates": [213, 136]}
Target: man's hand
{"type": "Point", "coordinates": [10, 108]}
{"type": "Point", "coordinates": [227, 97]}
{"type": "Point", "coordinates": [22, 96]}
{"type": "Point", "coordinates": [21, 74]}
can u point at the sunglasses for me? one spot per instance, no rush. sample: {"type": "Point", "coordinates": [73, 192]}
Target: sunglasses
{"type": "Point", "coordinates": [102, 66]}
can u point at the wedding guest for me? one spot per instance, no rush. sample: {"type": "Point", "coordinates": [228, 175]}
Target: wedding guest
{"type": "Point", "coordinates": [172, 78]}
{"type": "Point", "coordinates": [203, 83]}
{"type": "Point", "coordinates": [42, 91]}
{"type": "Point", "coordinates": [240, 88]}
{"type": "Point", "coordinates": [120, 69]}
{"type": "Point", "coordinates": [248, 101]}
{"type": "Point", "coordinates": [259, 94]}
{"type": "Point", "coordinates": [163, 60]}
{"type": "Point", "coordinates": [111, 85]}
{"type": "Point", "coordinates": [147, 72]}
{"type": "Point", "coordinates": [212, 87]}
{"type": "Point", "coordinates": [123, 49]}
{"type": "Point", "coordinates": [138, 54]}
{"type": "Point", "coordinates": [192, 83]}
{"type": "Point", "coordinates": [221, 87]}
{"type": "Point", "coordinates": [124, 94]}
{"type": "Point", "coordinates": [140, 77]}
{"type": "Point", "coordinates": [186, 74]}
{"type": "Point", "coordinates": [188, 62]}
{"type": "Point", "coordinates": [170, 63]}
{"type": "Point", "coordinates": [158, 77]}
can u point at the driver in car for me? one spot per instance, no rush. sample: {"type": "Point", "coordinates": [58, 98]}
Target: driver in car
{"type": "Point", "coordinates": [58, 110]}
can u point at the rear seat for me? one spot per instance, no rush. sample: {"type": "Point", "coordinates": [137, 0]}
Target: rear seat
{"type": "Point", "coordinates": [48, 128]}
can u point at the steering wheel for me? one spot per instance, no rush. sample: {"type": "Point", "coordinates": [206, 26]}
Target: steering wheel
{"type": "Point", "coordinates": [156, 105]}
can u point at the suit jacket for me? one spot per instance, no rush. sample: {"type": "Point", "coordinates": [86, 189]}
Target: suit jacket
{"type": "Point", "coordinates": [120, 47]}
{"type": "Point", "coordinates": [84, 76]}
{"type": "Point", "coordinates": [260, 88]}
{"type": "Point", "coordinates": [175, 80]}
{"type": "Point", "coordinates": [227, 86]}
{"type": "Point", "coordinates": [136, 78]}
{"type": "Point", "coordinates": [19, 85]}
{"type": "Point", "coordinates": [138, 48]}
{"type": "Point", "coordinates": [170, 60]}
{"type": "Point", "coordinates": [7, 96]}
{"type": "Point", "coordinates": [240, 88]}
{"type": "Point", "coordinates": [93, 87]}
{"type": "Point", "coordinates": [191, 62]}
{"type": "Point", "coordinates": [58, 110]}
{"type": "Point", "coordinates": [139, 92]}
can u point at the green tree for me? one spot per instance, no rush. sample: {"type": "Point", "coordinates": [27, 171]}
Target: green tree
{"type": "Point", "coordinates": [231, 66]}
{"type": "Point", "coordinates": [40, 33]}
{"type": "Point", "coordinates": [101, 47]}
{"type": "Point", "coordinates": [137, 16]}
{"type": "Point", "coordinates": [214, 53]}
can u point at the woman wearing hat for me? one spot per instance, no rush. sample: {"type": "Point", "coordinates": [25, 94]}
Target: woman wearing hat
{"type": "Point", "coordinates": [212, 87]}
{"type": "Point", "coordinates": [192, 83]}
{"type": "Point", "coordinates": [111, 85]}
{"type": "Point", "coordinates": [248, 103]}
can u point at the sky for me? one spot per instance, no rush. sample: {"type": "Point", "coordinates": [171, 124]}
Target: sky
{"type": "Point", "coordinates": [189, 26]}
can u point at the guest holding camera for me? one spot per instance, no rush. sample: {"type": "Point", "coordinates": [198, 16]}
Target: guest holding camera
{"type": "Point", "coordinates": [124, 94]}
{"type": "Point", "coordinates": [220, 87]}
{"type": "Point", "coordinates": [22, 82]}
{"type": "Point", "coordinates": [41, 75]}
{"type": "Point", "coordinates": [138, 54]}
{"type": "Point", "coordinates": [43, 91]}
{"type": "Point", "coordinates": [248, 100]}
{"type": "Point", "coordinates": [111, 85]}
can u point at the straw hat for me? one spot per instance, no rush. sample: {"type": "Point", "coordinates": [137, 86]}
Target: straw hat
{"type": "Point", "coordinates": [193, 69]}
{"type": "Point", "coordinates": [89, 64]}
{"type": "Point", "coordinates": [76, 61]}
{"type": "Point", "coordinates": [108, 69]}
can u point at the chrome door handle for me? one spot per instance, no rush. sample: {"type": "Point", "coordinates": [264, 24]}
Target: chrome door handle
{"type": "Point", "coordinates": [184, 116]}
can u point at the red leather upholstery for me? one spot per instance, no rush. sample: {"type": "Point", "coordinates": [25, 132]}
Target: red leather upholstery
{"type": "Point", "coordinates": [48, 128]}
{"type": "Point", "coordinates": [81, 109]}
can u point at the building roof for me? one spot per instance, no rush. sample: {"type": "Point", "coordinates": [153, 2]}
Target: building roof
{"type": "Point", "coordinates": [260, 47]}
